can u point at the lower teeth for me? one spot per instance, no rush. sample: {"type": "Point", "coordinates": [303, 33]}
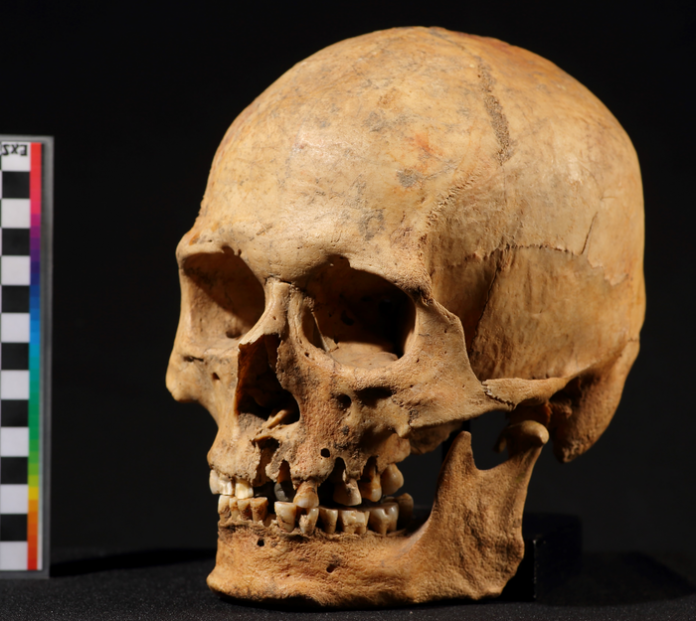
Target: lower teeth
{"type": "Point", "coordinates": [381, 519]}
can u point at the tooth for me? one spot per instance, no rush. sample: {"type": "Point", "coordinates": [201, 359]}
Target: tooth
{"type": "Point", "coordinates": [328, 519]}
{"type": "Point", "coordinates": [392, 510]}
{"type": "Point", "coordinates": [286, 512]}
{"type": "Point", "coordinates": [347, 494]}
{"type": "Point", "coordinates": [392, 479]}
{"type": "Point", "coordinates": [221, 483]}
{"type": "Point", "coordinates": [244, 505]}
{"type": "Point", "coordinates": [306, 496]}
{"type": "Point", "coordinates": [371, 489]}
{"type": "Point", "coordinates": [378, 520]}
{"type": "Point", "coordinates": [309, 521]}
{"type": "Point", "coordinates": [214, 482]}
{"type": "Point", "coordinates": [405, 502]}
{"type": "Point", "coordinates": [353, 521]}
{"type": "Point", "coordinates": [279, 417]}
{"type": "Point", "coordinates": [284, 491]}
{"type": "Point", "coordinates": [243, 489]}
{"type": "Point", "coordinates": [234, 509]}
{"type": "Point", "coordinates": [259, 508]}
{"type": "Point", "coordinates": [223, 504]}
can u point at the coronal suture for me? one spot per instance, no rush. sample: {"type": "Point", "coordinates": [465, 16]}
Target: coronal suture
{"type": "Point", "coordinates": [406, 231]}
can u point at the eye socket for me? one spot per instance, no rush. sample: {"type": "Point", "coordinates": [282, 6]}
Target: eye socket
{"type": "Point", "coordinates": [236, 294]}
{"type": "Point", "coordinates": [358, 318]}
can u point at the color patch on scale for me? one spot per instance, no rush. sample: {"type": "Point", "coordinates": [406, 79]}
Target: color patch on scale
{"type": "Point", "coordinates": [23, 409]}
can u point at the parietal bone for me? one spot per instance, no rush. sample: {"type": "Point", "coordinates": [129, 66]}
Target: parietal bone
{"type": "Point", "coordinates": [408, 230]}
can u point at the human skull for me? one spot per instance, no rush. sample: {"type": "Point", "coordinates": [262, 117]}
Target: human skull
{"type": "Point", "coordinates": [406, 231]}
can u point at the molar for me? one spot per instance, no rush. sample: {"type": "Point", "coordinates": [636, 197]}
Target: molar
{"type": "Point", "coordinates": [392, 479]}
{"type": "Point", "coordinates": [392, 511]}
{"type": "Point", "coordinates": [353, 521]}
{"type": "Point", "coordinates": [405, 502]}
{"type": "Point", "coordinates": [286, 514]}
{"type": "Point", "coordinates": [378, 520]}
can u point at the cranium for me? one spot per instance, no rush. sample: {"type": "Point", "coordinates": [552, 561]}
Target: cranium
{"type": "Point", "coordinates": [407, 230]}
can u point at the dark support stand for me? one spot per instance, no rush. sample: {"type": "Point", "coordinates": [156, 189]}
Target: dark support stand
{"type": "Point", "coordinates": [552, 554]}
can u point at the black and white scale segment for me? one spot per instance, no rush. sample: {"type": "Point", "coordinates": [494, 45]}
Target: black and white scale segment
{"type": "Point", "coordinates": [15, 275]}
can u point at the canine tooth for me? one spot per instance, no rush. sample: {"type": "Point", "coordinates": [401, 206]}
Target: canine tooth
{"type": "Point", "coordinates": [306, 495]}
{"type": "Point", "coordinates": [243, 489]}
{"type": "Point", "coordinates": [234, 509]}
{"type": "Point", "coordinates": [347, 494]}
{"type": "Point", "coordinates": [284, 491]}
{"type": "Point", "coordinates": [309, 521]}
{"type": "Point", "coordinates": [223, 503]}
{"type": "Point", "coordinates": [244, 505]}
{"type": "Point", "coordinates": [371, 489]}
{"type": "Point", "coordinates": [328, 517]}
{"type": "Point", "coordinates": [392, 479]}
{"type": "Point", "coordinates": [259, 508]}
{"type": "Point", "coordinates": [392, 511]}
{"type": "Point", "coordinates": [353, 521]}
{"type": "Point", "coordinates": [378, 520]}
{"type": "Point", "coordinates": [405, 502]}
{"type": "Point", "coordinates": [286, 512]}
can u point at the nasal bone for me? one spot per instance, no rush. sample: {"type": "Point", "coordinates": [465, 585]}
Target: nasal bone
{"type": "Point", "coordinates": [274, 318]}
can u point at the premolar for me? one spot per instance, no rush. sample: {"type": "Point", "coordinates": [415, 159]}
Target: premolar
{"type": "Point", "coordinates": [347, 493]}
{"type": "Point", "coordinates": [259, 509]}
{"type": "Point", "coordinates": [328, 517]}
{"type": "Point", "coordinates": [391, 480]}
{"type": "Point", "coordinates": [244, 505]}
{"type": "Point", "coordinates": [370, 486]}
{"type": "Point", "coordinates": [309, 521]}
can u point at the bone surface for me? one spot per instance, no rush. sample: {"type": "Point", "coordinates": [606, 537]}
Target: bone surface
{"type": "Point", "coordinates": [408, 230]}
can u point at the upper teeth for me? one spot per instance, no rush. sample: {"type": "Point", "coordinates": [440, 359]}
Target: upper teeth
{"type": "Point", "coordinates": [347, 493]}
{"type": "Point", "coordinates": [301, 508]}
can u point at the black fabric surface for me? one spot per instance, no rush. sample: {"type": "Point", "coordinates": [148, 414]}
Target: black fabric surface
{"type": "Point", "coordinates": [169, 585]}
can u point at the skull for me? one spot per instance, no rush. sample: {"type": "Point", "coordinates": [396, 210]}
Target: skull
{"type": "Point", "coordinates": [406, 231]}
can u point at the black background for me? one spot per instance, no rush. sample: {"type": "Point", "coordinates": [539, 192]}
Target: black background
{"type": "Point", "coordinates": [138, 97]}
